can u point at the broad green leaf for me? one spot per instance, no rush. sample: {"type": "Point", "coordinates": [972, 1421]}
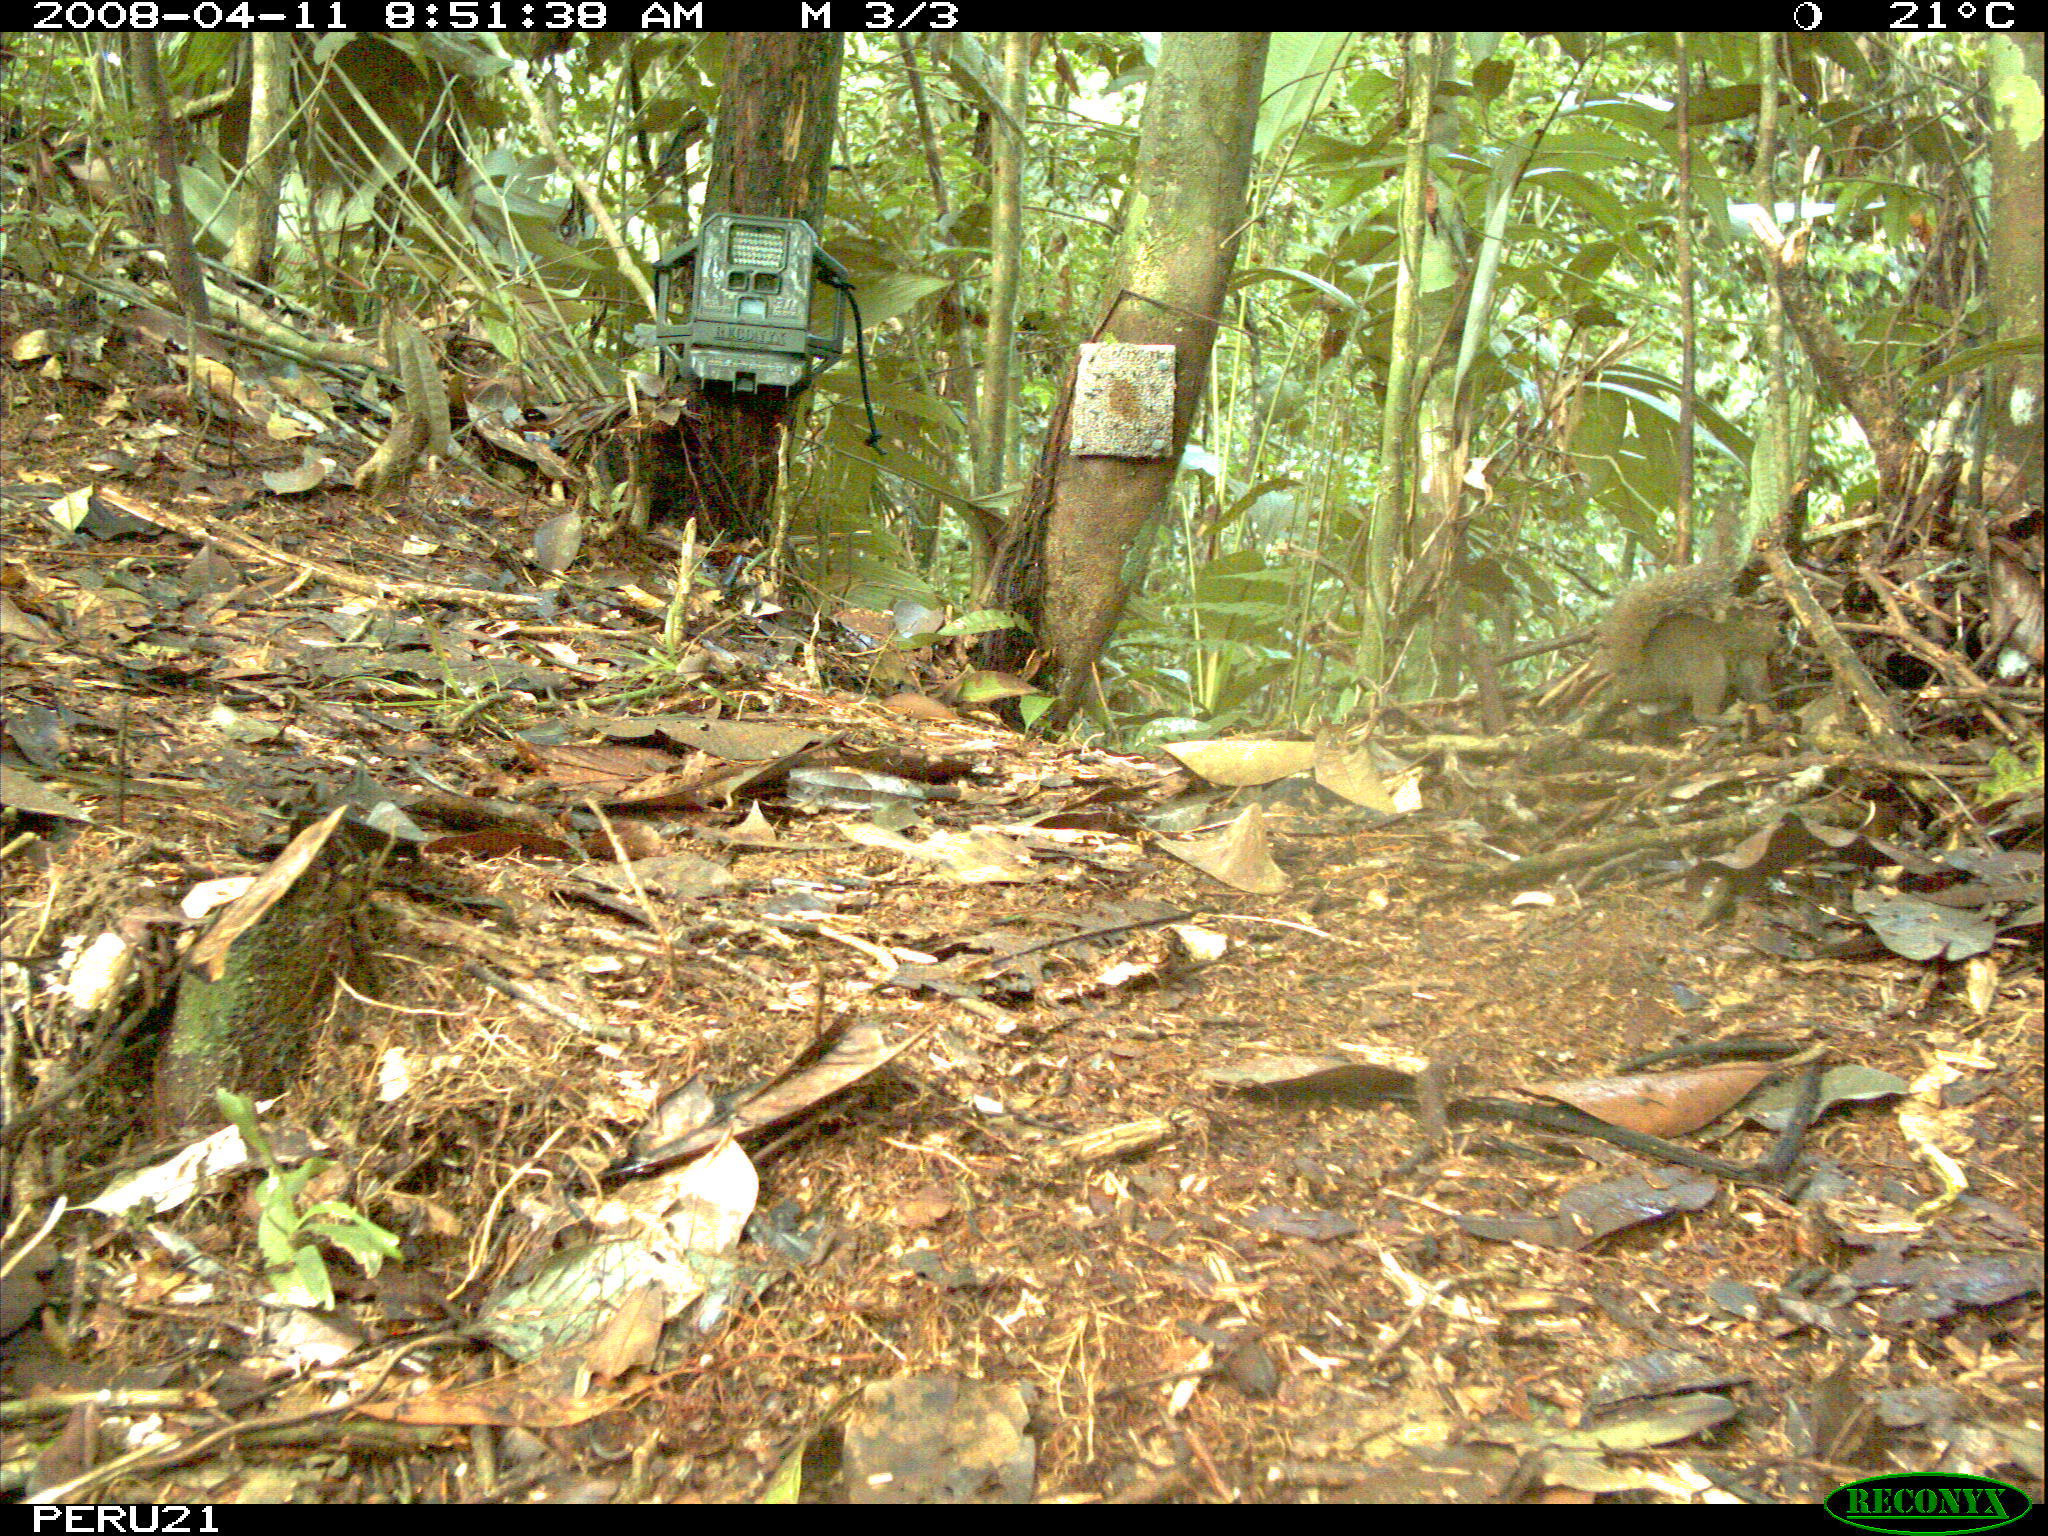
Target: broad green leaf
{"type": "Point", "coordinates": [1301, 68]}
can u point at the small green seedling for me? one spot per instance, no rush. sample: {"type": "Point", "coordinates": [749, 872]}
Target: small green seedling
{"type": "Point", "coordinates": [288, 1234]}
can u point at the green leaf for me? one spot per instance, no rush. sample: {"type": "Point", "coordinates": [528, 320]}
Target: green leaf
{"type": "Point", "coordinates": [293, 1181]}
{"type": "Point", "coordinates": [1300, 67]}
{"type": "Point", "coordinates": [1722, 104]}
{"type": "Point", "coordinates": [241, 1114]}
{"type": "Point", "coordinates": [981, 687]}
{"type": "Point", "coordinates": [310, 1272]}
{"type": "Point", "coordinates": [886, 295]}
{"type": "Point", "coordinates": [1972, 358]}
{"type": "Point", "coordinates": [1268, 274]}
{"type": "Point", "coordinates": [277, 1231]}
{"type": "Point", "coordinates": [368, 1245]}
{"type": "Point", "coordinates": [1491, 78]}
{"type": "Point", "coordinates": [981, 621]}
{"type": "Point", "coordinates": [787, 1485]}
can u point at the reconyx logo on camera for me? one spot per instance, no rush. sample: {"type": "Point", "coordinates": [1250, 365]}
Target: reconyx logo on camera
{"type": "Point", "coordinates": [1921, 1502]}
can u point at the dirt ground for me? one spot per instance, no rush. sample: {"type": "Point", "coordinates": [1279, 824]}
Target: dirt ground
{"type": "Point", "coordinates": [1056, 1212]}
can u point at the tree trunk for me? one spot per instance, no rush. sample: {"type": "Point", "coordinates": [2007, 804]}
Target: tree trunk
{"type": "Point", "coordinates": [1061, 567]}
{"type": "Point", "coordinates": [771, 157]}
{"type": "Point", "coordinates": [2014, 383]}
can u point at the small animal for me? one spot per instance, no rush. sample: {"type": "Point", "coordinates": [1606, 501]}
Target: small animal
{"type": "Point", "coordinates": [1672, 638]}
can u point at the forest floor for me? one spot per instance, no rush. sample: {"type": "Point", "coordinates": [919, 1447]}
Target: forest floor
{"type": "Point", "coordinates": [1061, 1168]}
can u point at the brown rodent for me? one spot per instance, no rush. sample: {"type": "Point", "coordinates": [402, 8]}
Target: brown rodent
{"type": "Point", "coordinates": [1664, 639]}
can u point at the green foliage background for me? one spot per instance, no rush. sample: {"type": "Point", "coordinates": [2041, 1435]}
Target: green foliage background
{"type": "Point", "coordinates": [417, 175]}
